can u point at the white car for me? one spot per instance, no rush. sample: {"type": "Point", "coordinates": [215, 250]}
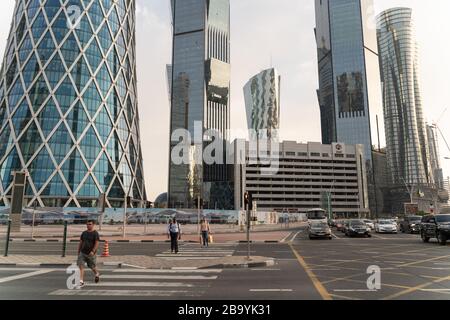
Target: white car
{"type": "Point", "coordinates": [386, 226]}
{"type": "Point", "coordinates": [370, 224]}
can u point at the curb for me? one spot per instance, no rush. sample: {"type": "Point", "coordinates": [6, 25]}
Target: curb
{"type": "Point", "coordinates": [57, 265]}
{"type": "Point", "coordinates": [267, 263]}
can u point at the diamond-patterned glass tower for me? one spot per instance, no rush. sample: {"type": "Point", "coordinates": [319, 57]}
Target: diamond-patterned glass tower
{"type": "Point", "coordinates": [68, 103]}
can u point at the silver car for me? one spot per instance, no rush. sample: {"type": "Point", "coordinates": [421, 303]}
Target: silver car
{"type": "Point", "coordinates": [319, 230]}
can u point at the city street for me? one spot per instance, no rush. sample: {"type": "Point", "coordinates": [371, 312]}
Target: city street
{"type": "Point", "coordinates": [304, 269]}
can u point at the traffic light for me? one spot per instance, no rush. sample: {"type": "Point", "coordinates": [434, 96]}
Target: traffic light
{"type": "Point", "coordinates": [248, 200]}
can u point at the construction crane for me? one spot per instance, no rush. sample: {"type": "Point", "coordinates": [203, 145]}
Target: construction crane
{"type": "Point", "coordinates": [436, 126]}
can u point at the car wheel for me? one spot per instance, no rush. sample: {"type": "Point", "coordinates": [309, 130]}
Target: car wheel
{"type": "Point", "coordinates": [424, 238]}
{"type": "Point", "coordinates": [441, 238]}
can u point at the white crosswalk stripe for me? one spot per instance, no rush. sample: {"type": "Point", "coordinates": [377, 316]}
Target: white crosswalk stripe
{"type": "Point", "coordinates": [149, 283]}
{"type": "Point", "coordinates": [193, 251]}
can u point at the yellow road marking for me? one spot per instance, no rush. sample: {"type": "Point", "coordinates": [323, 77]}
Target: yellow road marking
{"type": "Point", "coordinates": [416, 288]}
{"type": "Point", "coordinates": [317, 284]}
{"type": "Point", "coordinates": [344, 297]}
{"type": "Point", "coordinates": [421, 261]}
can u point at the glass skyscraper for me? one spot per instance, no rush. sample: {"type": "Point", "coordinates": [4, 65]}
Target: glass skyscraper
{"type": "Point", "coordinates": [349, 81]}
{"type": "Point", "coordinates": [262, 101]}
{"type": "Point", "coordinates": [406, 133]}
{"type": "Point", "coordinates": [349, 78]}
{"type": "Point", "coordinates": [200, 98]}
{"type": "Point", "coordinates": [68, 103]}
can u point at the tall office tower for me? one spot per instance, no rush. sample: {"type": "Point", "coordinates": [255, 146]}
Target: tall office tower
{"type": "Point", "coordinates": [200, 101]}
{"type": "Point", "coordinates": [349, 79]}
{"type": "Point", "coordinates": [68, 103]}
{"type": "Point", "coordinates": [435, 160]}
{"type": "Point", "coordinates": [262, 101]}
{"type": "Point", "coordinates": [407, 145]}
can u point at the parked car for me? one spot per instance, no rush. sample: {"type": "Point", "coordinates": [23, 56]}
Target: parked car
{"type": "Point", "coordinates": [370, 224]}
{"type": "Point", "coordinates": [411, 224]}
{"type": "Point", "coordinates": [357, 228]}
{"type": "Point", "coordinates": [319, 230]}
{"type": "Point", "coordinates": [386, 226]}
{"type": "Point", "coordinates": [435, 226]}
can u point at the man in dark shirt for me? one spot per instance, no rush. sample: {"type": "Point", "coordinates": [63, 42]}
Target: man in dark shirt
{"type": "Point", "coordinates": [87, 251]}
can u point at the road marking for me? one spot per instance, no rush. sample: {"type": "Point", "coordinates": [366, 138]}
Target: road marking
{"type": "Point", "coordinates": [436, 290]}
{"type": "Point", "coordinates": [168, 271]}
{"type": "Point", "coordinates": [271, 290]}
{"type": "Point", "coordinates": [422, 261]}
{"type": "Point", "coordinates": [266, 269]}
{"type": "Point", "coordinates": [284, 239]}
{"type": "Point", "coordinates": [317, 284]}
{"type": "Point", "coordinates": [162, 277]}
{"type": "Point", "coordinates": [294, 236]}
{"type": "Point", "coordinates": [354, 290]}
{"type": "Point", "coordinates": [335, 236]}
{"type": "Point", "coordinates": [187, 258]}
{"type": "Point", "coordinates": [25, 275]}
{"type": "Point", "coordinates": [343, 297]}
{"type": "Point", "coordinates": [133, 266]}
{"type": "Point", "coordinates": [125, 293]}
{"type": "Point", "coordinates": [417, 288]}
{"type": "Point", "coordinates": [140, 284]}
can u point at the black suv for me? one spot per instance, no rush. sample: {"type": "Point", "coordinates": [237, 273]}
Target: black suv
{"type": "Point", "coordinates": [435, 226]}
{"type": "Point", "coordinates": [411, 224]}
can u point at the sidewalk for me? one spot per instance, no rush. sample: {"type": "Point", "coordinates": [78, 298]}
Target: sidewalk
{"type": "Point", "coordinates": [137, 262]}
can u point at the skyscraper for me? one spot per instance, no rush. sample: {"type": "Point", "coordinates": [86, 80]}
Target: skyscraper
{"type": "Point", "coordinates": [262, 102]}
{"type": "Point", "coordinates": [349, 79]}
{"type": "Point", "coordinates": [406, 133]}
{"type": "Point", "coordinates": [68, 103]}
{"type": "Point", "coordinates": [200, 98]}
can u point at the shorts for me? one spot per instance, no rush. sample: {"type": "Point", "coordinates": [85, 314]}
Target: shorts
{"type": "Point", "coordinates": [85, 258]}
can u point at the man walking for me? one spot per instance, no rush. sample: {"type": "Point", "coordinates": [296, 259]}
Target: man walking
{"type": "Point", "coordinates": [174, 234]}
{"type": "Point", "coordinates": [205, 229]}
{"type": "Point", "coordinates": [87, 251]}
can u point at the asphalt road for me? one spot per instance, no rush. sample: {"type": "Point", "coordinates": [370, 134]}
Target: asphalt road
{"type": "Point", "coordinates": [304, 269]}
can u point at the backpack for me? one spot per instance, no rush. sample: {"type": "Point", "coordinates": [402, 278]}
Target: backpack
{"type": "Point", "coordinates": [172, 230]}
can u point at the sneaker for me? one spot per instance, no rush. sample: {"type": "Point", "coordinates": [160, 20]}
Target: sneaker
{"type": "Point", "coordinates": [81, 284]}
{"type": "Point", "coordinates": [97, 278]}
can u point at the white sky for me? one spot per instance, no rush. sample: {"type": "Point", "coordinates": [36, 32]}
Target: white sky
{"type": "Point", "coordinates": [280, 31]}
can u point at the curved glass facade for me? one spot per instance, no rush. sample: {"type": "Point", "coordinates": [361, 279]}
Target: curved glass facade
{"type": "Point", "coordinates": [407, 146]}
{"type": "Point", "coordinates": [68, 103]}
{"type": "Point", "coordinates": [262, 102]}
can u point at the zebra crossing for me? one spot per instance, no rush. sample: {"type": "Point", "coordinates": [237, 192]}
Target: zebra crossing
{"type": "Point", "coordinates": [156, 283]}
{"type": "Point", "coordinates": [193, 251]}
{"type": "Point", "coordinates": [181, 282]}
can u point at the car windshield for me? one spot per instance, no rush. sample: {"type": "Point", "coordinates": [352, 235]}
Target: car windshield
{"type": "Point", "coordinates": [441, 219]}
{"type": "Point", "coordinates": [384, 222]}
{"type": "Point", "coordinates": [357, 223]}
{"type": "Point", "coordinates": [413, 219]}
{"type": "Point", "coordinates": [319, 225]}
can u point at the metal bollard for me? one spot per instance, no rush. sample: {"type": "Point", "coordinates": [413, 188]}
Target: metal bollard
{"type": "Point", "coordinates": [64, 240]}
{"type": "Point", "coordinates": [8, 236]}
